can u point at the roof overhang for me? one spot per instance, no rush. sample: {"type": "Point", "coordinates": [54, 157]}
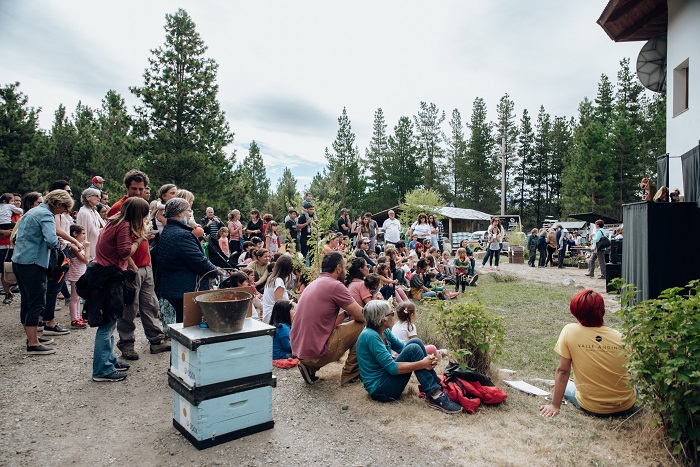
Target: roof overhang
{"type": "Point", "coordinates": [592, 217]}
{"type": "Point", "coordinates": [634, 20]}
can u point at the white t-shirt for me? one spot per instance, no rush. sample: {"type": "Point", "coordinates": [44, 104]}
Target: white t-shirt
{"type": "Point", "coordinates": [392, 233]}
{"type": "Point", "coordinates": [421, 230]}
{"type": "Point", "coordinates": [268, 301]}
{"type": "Point", "coordinates": [401, 332]}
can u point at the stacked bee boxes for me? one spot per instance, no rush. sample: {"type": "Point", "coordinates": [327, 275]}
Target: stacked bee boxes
{"type": "Point", "coordinates": [221, 382]}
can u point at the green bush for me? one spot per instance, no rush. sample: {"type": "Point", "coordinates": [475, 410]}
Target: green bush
{"type": "Point", "coordinates": [473, 334]}
{"type": "Point", "coordinates": [663, 339]}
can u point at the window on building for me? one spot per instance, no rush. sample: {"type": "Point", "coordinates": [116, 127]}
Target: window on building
{"type": "Point", "coordinates": [680, 88]}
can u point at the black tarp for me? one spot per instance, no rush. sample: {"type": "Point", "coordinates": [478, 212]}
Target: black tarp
{"type": "Point", "coordinates": [592, 217]}
{"type": "Point", "coordinates": [659, 249]}
{"type": "Point", "coordinates": [691, 175]}
{"type": "Point", "coordinates": [662, 169]}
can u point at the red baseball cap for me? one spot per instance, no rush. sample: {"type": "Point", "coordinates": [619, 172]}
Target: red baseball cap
{"type": "Point", "coordinates": [98, 179]}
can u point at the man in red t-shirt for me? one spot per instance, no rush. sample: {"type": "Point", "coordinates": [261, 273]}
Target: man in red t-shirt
{"type": "Point", "coordinates": [319, 335]}
{"type": "Point", "coordinates": [136, 182]}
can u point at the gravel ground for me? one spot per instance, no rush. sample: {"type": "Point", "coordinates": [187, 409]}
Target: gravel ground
{"type": "Point", "coordinates": [53, 414]}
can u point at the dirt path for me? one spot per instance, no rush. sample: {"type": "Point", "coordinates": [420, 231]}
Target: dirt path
{"type": "Point", "coordinates": [53, 414]}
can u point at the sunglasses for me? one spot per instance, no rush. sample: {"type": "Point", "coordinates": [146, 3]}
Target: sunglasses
{"type": "Point", "coordinates": [365, 243]}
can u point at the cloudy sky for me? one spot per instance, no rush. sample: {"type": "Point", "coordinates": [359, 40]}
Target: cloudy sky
{"type": "Point", "coordinates": [287, 69]}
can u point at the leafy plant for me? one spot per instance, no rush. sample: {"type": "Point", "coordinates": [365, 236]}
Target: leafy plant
{"type": "Point", "coordinates": [662, 337]}
{"type": "Point", "coordinates": [473, 334]}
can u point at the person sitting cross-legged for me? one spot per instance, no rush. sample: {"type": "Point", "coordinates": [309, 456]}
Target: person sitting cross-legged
{"type": "Point", "coordinates": [385, 378]}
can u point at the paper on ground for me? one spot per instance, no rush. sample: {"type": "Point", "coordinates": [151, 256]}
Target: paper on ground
{"type": "Point", "coordinates": [526, 387]}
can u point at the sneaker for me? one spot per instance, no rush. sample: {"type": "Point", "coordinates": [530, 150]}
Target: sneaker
{"type": "Point", "coordinates": [55, 330]}
{"type": "Point", "coordinates": [8, 299]}
{"type": "Point", "coordinates": [444, 403]}
{"type": "Point", "coordinates": [14, 289]}
{"type": "Point", "coordinates": [43, 341]}
{"type": "Point", "coordinates": [309, 377]}
{"type": "Point", "coordinates": [67, 301]}
{"type": "Point", "coordinates": [121, 366]}
{"type": "Point", "coordinates": [472, 281]}
{"type": "Point", "coordinates": [110, 378]}
{"type": "Point", "coordinates": [40, 350]}
{"type": "Point", "coordinates": [162, 346]}
{"type": "Point", "coordinates": [40, 327]}
{"type": "Point", "coordinates": [601, 277]}
{"type": "Point", "coordinates": [78, 324]}
{"type": "Point", "coordinates": [129, 354]}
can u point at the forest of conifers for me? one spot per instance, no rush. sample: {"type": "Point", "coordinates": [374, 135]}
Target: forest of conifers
{"type": "Point", "coordinates": [555, 165]}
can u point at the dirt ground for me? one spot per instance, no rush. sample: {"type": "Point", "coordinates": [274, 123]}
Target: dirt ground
{"type": "Point", "coordinates": [53, 414]}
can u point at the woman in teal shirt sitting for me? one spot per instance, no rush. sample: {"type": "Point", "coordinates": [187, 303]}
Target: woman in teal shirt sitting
{"type": "Point", "coordinates": [385, 378]}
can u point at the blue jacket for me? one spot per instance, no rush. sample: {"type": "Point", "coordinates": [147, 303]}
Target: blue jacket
{"type": "Point", "coordinates": [36, 234]}
{"type": "Point", "coordinates": [180, 261]}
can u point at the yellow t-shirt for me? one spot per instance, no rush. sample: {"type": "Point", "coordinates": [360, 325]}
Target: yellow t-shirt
{"type": "Point", "coordinates": [598, 361]}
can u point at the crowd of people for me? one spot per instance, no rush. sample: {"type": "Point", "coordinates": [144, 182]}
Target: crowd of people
{"type": "Point", "coordinates": [139, 257]}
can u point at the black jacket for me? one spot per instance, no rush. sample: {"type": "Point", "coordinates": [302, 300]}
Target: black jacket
{"type": "Point", "coordinates": [106, 291]}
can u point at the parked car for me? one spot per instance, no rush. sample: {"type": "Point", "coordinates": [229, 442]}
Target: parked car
{"type": "Point", "coordinates": [479, 236]}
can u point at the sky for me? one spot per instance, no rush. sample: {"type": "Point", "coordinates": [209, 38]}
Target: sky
{"type": "Point", "coordinates": [287, 69]}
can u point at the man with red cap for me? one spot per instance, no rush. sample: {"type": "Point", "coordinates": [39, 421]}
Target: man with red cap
{"type": "Point", "coordinates": [97, 183]}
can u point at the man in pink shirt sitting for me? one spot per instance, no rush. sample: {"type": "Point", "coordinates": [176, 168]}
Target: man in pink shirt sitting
{"type": "Point", "coordinates": [319, 335]}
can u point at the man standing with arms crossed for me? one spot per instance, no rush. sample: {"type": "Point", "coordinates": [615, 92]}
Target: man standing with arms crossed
{"type": "Point", "coordinates": [392, 230]}
{"type": "Point", "coordinates": [136, 182]}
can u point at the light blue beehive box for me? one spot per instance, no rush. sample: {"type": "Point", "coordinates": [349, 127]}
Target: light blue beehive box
{"type": "Point", "coordinates": [221, 382]}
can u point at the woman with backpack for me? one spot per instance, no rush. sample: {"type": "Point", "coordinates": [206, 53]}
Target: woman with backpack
{"type": "Point", "coordinates": [598, 247]}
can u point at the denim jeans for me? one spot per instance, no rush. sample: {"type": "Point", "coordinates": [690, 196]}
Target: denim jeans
{"type": "Point", "coordinates": [32, 281]}
{"type": "Point", "coordinates": [570, 394]}
{"type": "Point", "coordinates": [392, 386]}
{"type": "Point", "coordinates": [103, 358]}
{"type": "Point", "coordinates": [427, 294]}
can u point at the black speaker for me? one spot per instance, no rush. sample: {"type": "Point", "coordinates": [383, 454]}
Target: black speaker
{"type": "Point", "coordinates": [612, 271]}
{"type": "Point", "coordinates": [616, 251]}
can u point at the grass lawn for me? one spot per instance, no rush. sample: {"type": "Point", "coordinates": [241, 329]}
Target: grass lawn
{"type": "Point", "coordinates": [533, 315]}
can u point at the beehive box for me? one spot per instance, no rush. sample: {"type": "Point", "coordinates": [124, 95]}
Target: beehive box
{"type": "Point", "coordinates": [201, 357]}
{"type": "Point", "coordinates": [221, 382]}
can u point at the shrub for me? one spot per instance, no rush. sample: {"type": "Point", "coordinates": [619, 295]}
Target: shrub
{"type": "Point", "coordinates": [473, 334]}
{"type": "Point", "coordinates": [663, 339]}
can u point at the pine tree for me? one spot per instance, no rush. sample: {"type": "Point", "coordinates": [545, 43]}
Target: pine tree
{"type": "Point", "coordinates": [254, 165]}
{"type": "Point", "coordinates": [457, 157]}
{"type": "Point", "coordinates": [185, 128]}
{"type": "Point", "coordinates": [506, 128]}
{"type": "Point", "coordinates": [429, 135]}
{"type": "Point", "coordinates": [479, 178]}
{"type": "Point", "coordinates": [344, 166]}
{"type": "Point", "coordinates": [589, 177]}
{"type": "Point", "coordinates": [285, 196]}
{"type": "Point", "coordinates": [404, 166]}
{"type": "Point", "coordinates": [627, 132]}
{"type": "Point", "coordinates": [23, 147]}
{"type": "Point", "coordinates": [540, 168]}
{"type": "Point", "coordinates": [376, 163]}
{"type": "Point", "coordinates": [560, 138]}
{"type": "Point", "coordinates": [63, 138]}
{"type": "Point", "coordinates": [526, 160]}
{"type": "Point", "coordinates": [116, 152]}
{"type": "Point", "coordinates": [604, 103]}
